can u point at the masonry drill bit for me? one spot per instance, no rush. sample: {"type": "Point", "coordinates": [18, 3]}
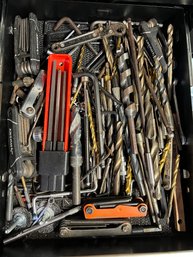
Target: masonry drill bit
{"type": "Point", "coordinates": [127, 94]}
{"type": "Point", "coordinates": [81, 57]}
{"type": "Point", "coordinates": [163, 94]}
{"type": "Point", "coordinates": [118, 157]}
{"type": "Point", "coordinates": [173, 188]}
{"type": "Point", "coordinates": [92, 126]}
{"type": "Point", "coordinates": [170, 32]}
{"type": "Point", "coordinates": [76, 154]}
{"type": "Point", "coordinates": [128, 189]}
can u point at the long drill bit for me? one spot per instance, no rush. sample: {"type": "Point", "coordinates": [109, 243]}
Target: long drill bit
{"type": "Point", "coordinates": [118, 157]}
{"type": "Point", "coordinates": [91, 122]}
{"type": "Point", "coordinates": [76, 154]}
{"type": "Point", "coordinates": [163, 94]}
{"type": "Point", "coordinates": [173, 188]}
{"type": "Point", "coordinates": [109, 124]}
{"type": "Point", "coordinates": [127, 93]}
{"type": "Point", "coordinates": [170, 32]}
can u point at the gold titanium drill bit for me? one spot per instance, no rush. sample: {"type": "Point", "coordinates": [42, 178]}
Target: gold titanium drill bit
{"type": "Point", "coordinates": [92, 127]}
{"type": "Point", "coordinates": [173, 188]}
{"type": "Point", "coordinates": [164, 155]}
{"type": "Point", "coordinates": [81, 57]}
{"type": "Point", "coordinates": [170, 32]}
{"type": "Point", "coordinates": [128, 178]}
{"type": "Point", "coordinates": [118, 157]}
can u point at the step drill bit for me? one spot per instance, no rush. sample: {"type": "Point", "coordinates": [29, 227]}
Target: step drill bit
{"type": "Point", "coordinates": [127, 93]}
{"type": "Point", "coordinates": [118, 157]}
{"type": "Point", "coordinates": [76, 154]}
{"type": "Point", "coordinates": [170, 32]}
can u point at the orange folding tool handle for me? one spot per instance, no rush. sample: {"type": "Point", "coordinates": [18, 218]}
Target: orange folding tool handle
{"type": "Point", "coordinates": [119, 211]}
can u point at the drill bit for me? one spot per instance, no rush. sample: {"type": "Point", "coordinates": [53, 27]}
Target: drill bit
{"type": "Point", "coordinates": [173, 188]}
{"type": "Point", "coordinates": [127, 93]}
{"type": "Point", "coordinates": [128, 189]}
{"type": "Point", "coordinates": [135, 70]}
{"type": "Point", "coordinates": [76, 154]}
{"type": "Point", "coordinates": [92, 126]}
{"type": "Point", "coordinates": [118, 157]}
{"type": "Point", "coordinates": [81, 57]}
{"type": "Point", "coordinates": [163, 94]}
{"type": "Point", "coordinates": [108, 52]}
{"type": "Point", "coordinates": [170, 32]}
{"type": "Point", "coordinates": [167, 174]}
{"type": "Point", "coordinates": [109, 124]}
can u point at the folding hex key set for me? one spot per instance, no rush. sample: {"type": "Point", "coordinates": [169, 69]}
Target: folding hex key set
{"type": "Point", "coordinates": [94, 130]}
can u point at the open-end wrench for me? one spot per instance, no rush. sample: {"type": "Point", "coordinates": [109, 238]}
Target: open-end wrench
{"type": "Point", "coordinates": [107, 30]}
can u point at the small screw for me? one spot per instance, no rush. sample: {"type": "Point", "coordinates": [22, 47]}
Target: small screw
{"type": "Point", "coordinates": [62, 45]}
{"type": "Point", "coordinates": [125, 228]}
{"type": "Point", "coordinates": [30, 110]}
{"type": "Point", "coordinates": [89, 210]}
{"type": "Point", "coordinates": [142, 209]}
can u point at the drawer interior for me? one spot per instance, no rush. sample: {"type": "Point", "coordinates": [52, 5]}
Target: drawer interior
{"type": "Point", "coordinates": [87, 11]}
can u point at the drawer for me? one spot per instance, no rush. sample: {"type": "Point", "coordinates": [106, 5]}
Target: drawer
{"type": "Point", "coordinates": [178, 14]}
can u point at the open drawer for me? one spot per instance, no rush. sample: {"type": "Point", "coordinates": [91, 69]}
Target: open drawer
{"type": "Point", "coordinates": [51, 10]}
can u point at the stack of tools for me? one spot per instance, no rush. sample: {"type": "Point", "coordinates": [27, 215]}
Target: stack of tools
{"type": "Point", "coordinates": [109, 150]}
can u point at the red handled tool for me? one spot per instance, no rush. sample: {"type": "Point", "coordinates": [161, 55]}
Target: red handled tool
{"type": "Point", "coordinates": [54, 157]}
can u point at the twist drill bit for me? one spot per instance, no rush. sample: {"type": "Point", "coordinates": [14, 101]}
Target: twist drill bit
{"type": "Point", "coordinates": [109, 54]}
{"type": "Point", "coordinates": [163, 94]}
{"type": "Point", "coordinates": [109, 124]}
{"type": "Point", "coordinates": [86, 138]}
{"type": "Point", "coordinates": [167, 175]}
{"type": "Point", "coordinates": [170, 32]}
{"type": "Point", "coordinates": [163, 160]}
{"type": "Point", "coordinates": [164, 155]}
{"type": "Point", "coordinates": [81, 57]}
{"type": "Point", "coordinates": [135, 70]}
{"type": "Point", "coordinates": [173, 188]}
{"type": "Point", "coordinates": [118, 157]}
{"type": "Point", "coordinates": [127, 93]}
{"type": "Point", "coordinates": [76, 154]}
{"type": "Point", "coordinates": [128, 178]}
{"type": "Point", "coordinates": [92, 126]}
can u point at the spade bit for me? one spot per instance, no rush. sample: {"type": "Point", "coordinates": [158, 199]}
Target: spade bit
{"type": "Point", "coordinates": [104, 31]}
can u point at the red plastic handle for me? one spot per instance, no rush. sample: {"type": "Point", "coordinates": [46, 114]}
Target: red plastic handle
{"type": "Point", "coordinates": [66, 61]}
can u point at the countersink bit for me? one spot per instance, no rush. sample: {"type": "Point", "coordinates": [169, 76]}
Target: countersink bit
{"type": "Point", "coordinates": [127, 93]}
{"type": "Point", "coordinates": [76, 154]}
{"type": "Point", "coordinates": [163, 94]}
{"type": "Point", "coordinates": [118, 157]}
{"type": "Point", "coordinates": [170, 32]}
{"type": "Point", "coordinates": [173, 188]}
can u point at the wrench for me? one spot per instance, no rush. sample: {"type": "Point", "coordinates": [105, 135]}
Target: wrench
{"type": "Point", "coordinates": [105, 31]}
